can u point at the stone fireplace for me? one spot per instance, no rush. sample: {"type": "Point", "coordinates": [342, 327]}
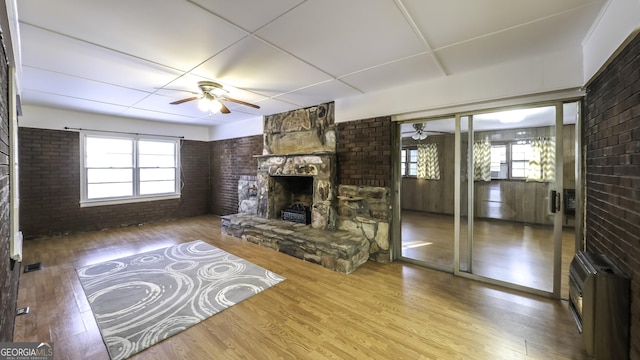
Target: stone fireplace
{"type": "Point", "coordinates": [284, 180]}
{"type": "Point", "coordinates": [298, 165]}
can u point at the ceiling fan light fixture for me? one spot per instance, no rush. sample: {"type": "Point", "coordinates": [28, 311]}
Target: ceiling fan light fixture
{"type": "Point", "coordinates": [420, 133]}
{"type": "Point", "coordinates": [209, 104]}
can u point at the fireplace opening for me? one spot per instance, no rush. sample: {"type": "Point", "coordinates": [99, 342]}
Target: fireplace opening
{"type": "Point", "coordinates": [292, 198]}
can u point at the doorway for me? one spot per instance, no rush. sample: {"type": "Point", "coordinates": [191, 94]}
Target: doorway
{"type": "Point", "coordinates": [481, 195]}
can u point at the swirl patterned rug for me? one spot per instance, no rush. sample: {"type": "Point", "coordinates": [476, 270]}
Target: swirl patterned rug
{"type": "Point", "coordinates": [143, 299]}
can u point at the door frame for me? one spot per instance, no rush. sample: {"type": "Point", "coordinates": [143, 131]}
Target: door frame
{"type": "Point", "coordinates": [558, 186]}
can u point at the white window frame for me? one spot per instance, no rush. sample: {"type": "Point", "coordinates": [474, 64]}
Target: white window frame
{"type": "Point", "coordinates": [136, 197]}
{"type": "Point", "coordinates": [407, 161]}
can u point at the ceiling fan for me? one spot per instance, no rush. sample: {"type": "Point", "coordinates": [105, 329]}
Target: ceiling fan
{"type": "Point", "coordinates": [212, 98]}
{"type": "Point", "coordinates": [422, 133]}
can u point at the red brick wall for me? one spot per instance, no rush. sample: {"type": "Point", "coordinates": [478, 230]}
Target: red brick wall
{"type": "Point", "coordinates": [50, 188]}
{"type": "Point", "coordinates": [612, 137]}
{"type": "Point", "coordinates": [9, 270]}
{"type": "Point", "coordinates": [230, 159]}
{"type": "Point", "coordinates": [364, 152]}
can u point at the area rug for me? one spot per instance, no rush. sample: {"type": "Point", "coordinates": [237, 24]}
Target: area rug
{"type": "Point", "coordinates": [143, 299]}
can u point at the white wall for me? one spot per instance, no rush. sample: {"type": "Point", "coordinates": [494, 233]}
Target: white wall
{"type": "Point", "coordinates": [617, 21]}
{"type": "Point", "coordinates": [237, 129]}
{"type": "Point", "coordinates": [58, 119]}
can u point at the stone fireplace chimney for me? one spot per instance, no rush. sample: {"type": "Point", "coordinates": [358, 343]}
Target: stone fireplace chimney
{"type": "Point", "coordinates": [299, 153]}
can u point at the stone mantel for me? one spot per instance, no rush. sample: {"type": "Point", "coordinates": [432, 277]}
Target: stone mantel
{"type": "Point", "coordinates": [320, 153]}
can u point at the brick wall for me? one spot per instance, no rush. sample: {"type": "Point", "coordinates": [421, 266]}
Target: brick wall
{"type": "Point", "coordinates": [231, 159]}
{"type": "Point", "coordinates": [364, 152]}
{"type": "Point", "coordinates": [50, 188]}
{"type": "Point", "coordinates": [612, 137]}
{"type": "Point", "coordinates": [9, 271]}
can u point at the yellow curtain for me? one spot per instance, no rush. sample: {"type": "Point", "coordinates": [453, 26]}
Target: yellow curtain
{"type": "Point", "coordinates": [482, 160]}
{"type": "Point", "coordinates": [542, 164]}
{"type": "Point", "coordinates": [428, 165]}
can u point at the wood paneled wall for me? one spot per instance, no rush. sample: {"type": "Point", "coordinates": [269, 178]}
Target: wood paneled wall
{"type": "Point", "coordinates": [435, 196]}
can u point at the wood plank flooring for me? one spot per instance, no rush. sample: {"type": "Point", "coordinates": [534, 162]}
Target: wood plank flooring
{"type": "Point", "coordinates": [394, 311]}
{"type": "Point", "coordinates": [508, 251]}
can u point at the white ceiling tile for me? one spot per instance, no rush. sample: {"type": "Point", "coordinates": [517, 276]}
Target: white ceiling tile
{"type": "Point", "coordinates": [247, 14]}
{"type": "Point", "coordinates": [201, 119]}
{"type": "Point", "coordinates": [65, 102]}
{"type": "Point", "coordinates": [341, 37]}
{"type": "Point", "coordinates": [78, 88]}
{"type": "Point", "coordinates": [276, 106]}
{"type": "Point", "coordinates": [255, 66]}
{"type": "Point", "coordinates": [416, 68]}
{"type": "Point", "coordinates": [449, 22]}
{"type": "Point", "coordinates": [318, 94]}
{"type": "Point", "coordinates": [162, 104]}
{"type": "Point", "coordinates": [177, 34]}
{"type": "Point", "coordinates": [532, 40]}
{"type": "Point", "coordinates": [66, 55]}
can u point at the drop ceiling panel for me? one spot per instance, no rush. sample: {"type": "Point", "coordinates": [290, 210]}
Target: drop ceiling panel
{"type": "Point", "coordinates": [255, 66]}
{"type": "Point", "coordinates": [318, 94]}
{"type": "Point", "coordinates": [247, 14]}
{"type": "Point", "coordinates": [177, 34]}
{"type": "Point", "coordinates": [532, 40]}
{"type": "Point", "coordinates": [449, 22]}
{"type": "Point", "coordinates": [201, 119]}
{"type": "Point", "coordinates": [416, 68]}
{"type": "Point", "coordinates": [69, 56]}
{"type": "Point", "coordinates": [161, 104]}
{"type": "Point", "coordinates": [78, 88]}
{"type": "Point", "coordinates": [65, 102]}
{"type": "Point", "coordinates": [341, 37]}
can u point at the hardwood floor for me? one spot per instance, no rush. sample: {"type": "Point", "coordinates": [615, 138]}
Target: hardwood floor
{"type": "Point", "coordinates": [394, 311]}
{"type": "Point", "coordinates": [507, 251]}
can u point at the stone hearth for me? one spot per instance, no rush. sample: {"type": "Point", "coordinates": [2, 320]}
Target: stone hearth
{"type": "Point", "coordinates": [337, 250]}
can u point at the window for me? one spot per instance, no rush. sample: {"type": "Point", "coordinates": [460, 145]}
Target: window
{"type": "Point", "coordinates": [520, 157]}
{"type": "Point", "coordinates": [509, 160]}
{"type": "Point", "coordinates": [409, 161]}
{"type": "Point", "coordinates": [499, 164]}
{"type": "Point", "coordinates": [118, 169]}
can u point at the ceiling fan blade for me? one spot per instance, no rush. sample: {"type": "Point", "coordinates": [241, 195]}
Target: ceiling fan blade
{"type": "Point", "coordinates": [185, 100]}
{"type": "Point", "coordinates": [241, 102]}
{"type": "Point", "coordinates": [223, 108]}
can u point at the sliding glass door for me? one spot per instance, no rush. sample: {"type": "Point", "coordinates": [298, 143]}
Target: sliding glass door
{"type": "Point", "coordinates": [494, 209]}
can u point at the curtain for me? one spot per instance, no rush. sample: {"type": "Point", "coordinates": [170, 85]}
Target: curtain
{"type": "Point", "coordinates": [482, 160]}
{"type": "Point", "coordinates": [428, 166]}
{"type": "Point", "coordinates": [542, 165]}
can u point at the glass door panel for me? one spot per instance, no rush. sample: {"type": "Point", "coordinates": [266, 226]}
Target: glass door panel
{"type": "Point", "coordinates": [427, 192]}
{"type": "Point", "coordinates": [510, 179]}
